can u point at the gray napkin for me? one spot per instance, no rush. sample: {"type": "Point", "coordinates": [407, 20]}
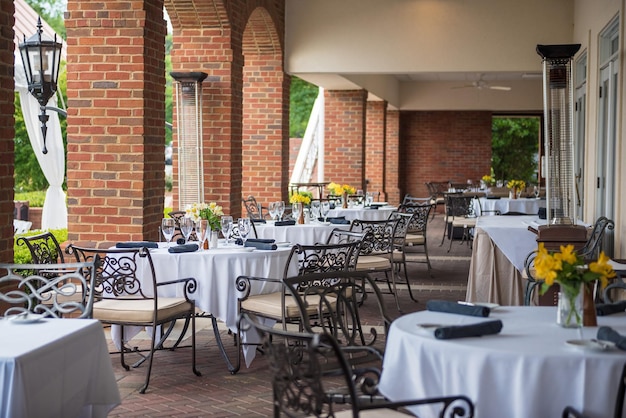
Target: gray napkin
{"type": "Point", "coordinates": [609, 334]}
{"type": "Point", "coordinates": [457, 308]}
{"type": "Point", "coordinates": [137, 244]}
{"type": "Point", "coordinates": [185, 248]}
{"type": "Point", "coordinates": [603, 309]}
{"type": "Point", "coordinates": [261, 245]}
{"type": "Point", "coordinates": [284, 223]}
{"type": "Point", "coordinates": [473, 330]}
{"type": "Point", "coordinates": [338, 221]}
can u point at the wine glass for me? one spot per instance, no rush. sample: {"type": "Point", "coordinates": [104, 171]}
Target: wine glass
{"type": "Point", "coordinates": [202, 227]}
{"type": "Point", "coordinates": [296, 210]}
{"type": "Point", "coordinates": [168, 225]}
{"type": "Point", "coordinates": [315, 209]}
{"type": "Point", "coordinates": [244, 229]}
{"type": "Point", "coordinates": [536, 192]}
{"type": "Point", "coordinates": [273, 206]}
{"type": "Point", "coordinates": [227, 227]}
{"type": "Point", "coordinates": [186, 226]}
{"type": "Point", "coordinates": [325, 209]}
{"type": "Point", "coordinates": [280, 209]}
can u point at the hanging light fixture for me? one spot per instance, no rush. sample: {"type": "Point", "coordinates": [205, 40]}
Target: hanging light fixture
{"type": "Point", "coordinates": [41, 57]}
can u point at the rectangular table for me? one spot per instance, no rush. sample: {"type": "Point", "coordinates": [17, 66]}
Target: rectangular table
{"type": "Point", "coordinates": [528, 370]}
{"type": "Point", "coordinates": [56, 368]}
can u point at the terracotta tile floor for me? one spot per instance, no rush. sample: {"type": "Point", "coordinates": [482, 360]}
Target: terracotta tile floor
{"type": "Point", "coordinates": [175, 391]}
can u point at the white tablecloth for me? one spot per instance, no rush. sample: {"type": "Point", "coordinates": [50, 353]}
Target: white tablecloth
{"type": "Point", "coordinates": [504, 205]}
{"type": "Point", "coordinates": [56, 368]}
{"type": "Point", "coordinates": [527, 370]}
{"type": "Point", "coordinates": [305, 234]}
{"type": "Point", "coordinates": [365, 214]}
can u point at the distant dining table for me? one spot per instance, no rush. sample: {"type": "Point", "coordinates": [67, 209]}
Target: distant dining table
{"type": "Point", "coordinates": [55, 368]}
{"type": "Point", "coordinates": [532, 368]}
{"type": "Point", "coordinates": [372, 213]}
{"type": "Point", "coordinates": [501, 245]}
{"type": "Point", "coordinates": [304, 234]}
{"type": "Point", "coordinates": [503, 205]}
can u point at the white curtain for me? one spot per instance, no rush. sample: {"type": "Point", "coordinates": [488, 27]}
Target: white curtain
{"type": "Point", "coordinates": [52, 164]}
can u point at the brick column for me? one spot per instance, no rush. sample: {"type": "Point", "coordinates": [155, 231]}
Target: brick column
{"type": "Point", "coordinates": [116, 116]}
{"type": "Point", "coordinates": [375, 160]}
{"type": "Point", "coordinates": [344, 136]}
{"type": "Point", "coordinates": [392, 158]}
{"type": "Point", "coordinates": [7, 131]}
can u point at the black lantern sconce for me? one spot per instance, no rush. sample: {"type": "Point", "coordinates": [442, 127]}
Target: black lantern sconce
{"type": "Point", "coordinates": [41, 57]}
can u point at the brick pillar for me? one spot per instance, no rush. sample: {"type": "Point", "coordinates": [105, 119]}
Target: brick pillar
{"type": "Point", "coordinates": [392, 158]}
{"type": "Point", "coordinates": [375, 160]}
{"type": "Point", "coordinates": [7, 130]}
{"type": "Point", "coordinates": [344, 136]}
{"type": "Point", "coordinates": [116, 115]}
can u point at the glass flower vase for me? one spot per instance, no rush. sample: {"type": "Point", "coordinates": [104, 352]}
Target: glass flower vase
{"type": "Point", "coordinates": [570, 309]}
{"type": "Point", "coordinates": [213, 239]}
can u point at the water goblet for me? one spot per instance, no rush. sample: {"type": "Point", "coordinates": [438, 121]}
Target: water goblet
{"type": "Point", "coordinates": [325, 210]}
{"type": "Point", "coordinates": [186, 226]}
{"type": "Point", "coordinates": [202, 227]}
{"type": "Point", "coordinates": [273, 206]}
{"type": "Point", "coordinates": [168, 225]}
{"type": "Point", "coordinates": [536, 192]}
{"type": "Point", "coordinates": [369, 199]}
{"type": "Point", "coordinates": [315, 209]}
{"type": "Point", "coordinates": [280, 209]}
{"type": "Point", "coordinates": [227, 227]}
{"type": "Point", "coordinates": [244, 229]}
{"type": "Point", "coordinates": [296, 210]}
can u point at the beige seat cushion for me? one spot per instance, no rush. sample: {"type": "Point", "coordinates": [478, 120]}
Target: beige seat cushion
{"type": "Point", "coordinates": [138, 311]}
{"type": "Point", "coordinates": [372, 262]}
{"type": "Point", "coordinates": [414, 239]}
{"type": "Point", "coordinates": [372, 413]}
{"type": "Point", "coordinates": [463, 222]}
{"type": "Point", "coordinates": [269, 305]}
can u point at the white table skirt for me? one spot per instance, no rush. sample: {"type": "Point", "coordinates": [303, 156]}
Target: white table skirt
{"type": "Point", "coordinates": [525, 371]}
{"type": "Point", "coordinates": [56, 368]}
{"type": "Point", "coordinates": [365, 214]}
{"type": "Point", "coordinates": [504, 205]}
{"type": "Point", "coordinates": [305, 234]}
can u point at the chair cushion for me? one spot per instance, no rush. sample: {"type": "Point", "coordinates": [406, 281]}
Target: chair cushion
{"type": "Point", "coordinates": [121, 311]}
{"type": "Point", "coordinates": [372, 413]}
{"type": "Point", "coordinates": [269, 305]}
{"type": "Point", "coordinates": [463, 222]}
{"type": "Point", "coordinates": [372, 262]}
{"type": "Point", "coordinates": [415, 239]}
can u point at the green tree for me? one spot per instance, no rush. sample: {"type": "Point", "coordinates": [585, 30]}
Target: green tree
{"type": "Point", "coordinates": [52, 12]}
{"type": "Point", "coordinates": [514, 147]}
{"type": "Point", "coordinates": [302, 97]}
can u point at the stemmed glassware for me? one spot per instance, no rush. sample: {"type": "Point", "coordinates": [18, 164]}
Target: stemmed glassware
{"type": "Point", "coordinates": [202, 227]}
{"type": "Point", "coordinates": [296, 210]}
{"type": "Point", "coordinates": [244, 229]}
{"type": "Point", "coordinates": [325, 210]}
{"type": "Point", "coordinates": [280, 209]}
{"type": "Point", "coordinates": [186, 226]}
{"type": "Point", "coordinates": [273, 209]}
{"type": "Point", "coordinates": [536, 192]}
{"type": "Point", "coordinates": [168, 225]}
{"type": "Point", "coordinates": [227, 227]}
{"type": "Point", "coordinates": [315, 209]}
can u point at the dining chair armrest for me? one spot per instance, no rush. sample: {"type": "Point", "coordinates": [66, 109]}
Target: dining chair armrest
{"type": "Point", "coordinates": [243, 285]}
{"type": "Point", "coordinates": [459, 405]}
{"type": "Point", "coordinates": [190, 285]}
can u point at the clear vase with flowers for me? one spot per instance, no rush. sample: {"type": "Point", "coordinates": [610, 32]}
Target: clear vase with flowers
{"type": "Point", "coordinates": [516, 186]}
{"type": "Point", "coordinates": [569, 270]}
{"type": "Point", "coordinates": [212, 213]}
{"type": "Point", "coordinates": [299, 200]}
{"type": "Point", "coordinates": [342, 190]}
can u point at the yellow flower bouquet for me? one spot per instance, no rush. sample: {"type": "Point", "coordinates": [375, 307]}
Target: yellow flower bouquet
{"type": "Point", "coordinates": [488, 180]}
{"type": "Point", "coordinates": [338, 189]}
{"type": "Point", "coordinates": [516, 184]}
{"type": "Point", "coordinates": [568, 269]}
{"type": "Point", "coordinates": [301, 197]}
{"type": "Point", "coordinates": [212, 212]}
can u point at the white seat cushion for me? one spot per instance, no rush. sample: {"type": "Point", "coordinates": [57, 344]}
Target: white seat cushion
{"type": "Point", "coordinates": [372, 413]}
{"type": "Point", "coordinates": [372, 262]}
{"type": "Point", "coordinates": [458, 221]}
{"type": "Point", "coordinates": [122, 311]}
{"type": "Point", "coordinates": [269, 305]}
{"type": "Point", "coordinates": [414, 239]}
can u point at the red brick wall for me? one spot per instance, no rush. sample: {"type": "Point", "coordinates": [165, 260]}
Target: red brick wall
{"type": "Point", "coordinates": [375, 145]}
{"type": "Point", "coordinates": [443, 146]}
{"type": "Point", "coordinates": [344, 137]}
{"type": "Point", "coordinates": [7, 131]}
{"type": "Point", "coordinates": [392, 192]}
{"type": "Point", "coordinates": [115, 130]}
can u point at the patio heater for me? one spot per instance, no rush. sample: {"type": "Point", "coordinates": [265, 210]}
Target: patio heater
{"type": "Point", "coordinates": [558, 102]}
{"type": "Point", "coordinates": [189, 134]}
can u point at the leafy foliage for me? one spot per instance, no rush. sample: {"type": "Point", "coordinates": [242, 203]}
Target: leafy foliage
{"type": "Point", "coordinates": [515, 145]}
{"type": "Point", "coordinates": [302, 97]}
{"type": "Point", "coordinates": [35, 199]}
{"type": "Point", "coordinates": [21, 254]}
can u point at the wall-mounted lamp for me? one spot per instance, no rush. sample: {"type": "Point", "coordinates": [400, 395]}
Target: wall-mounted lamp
{"type": "Point", "coordinates": [41, 57]}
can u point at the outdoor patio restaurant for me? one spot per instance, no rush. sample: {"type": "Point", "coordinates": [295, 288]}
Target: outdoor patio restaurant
{"type": "Point", "coordinates": [365, 208]}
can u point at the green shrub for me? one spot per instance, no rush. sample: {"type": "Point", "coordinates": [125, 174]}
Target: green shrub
{"type": "Point", "coordinates": [35, 199]}
{"type": "Point", "coordinates": [21, 254]}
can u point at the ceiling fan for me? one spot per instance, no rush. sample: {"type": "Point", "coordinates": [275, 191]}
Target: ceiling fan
{"type": "Point", "coordinates": [481, 84]}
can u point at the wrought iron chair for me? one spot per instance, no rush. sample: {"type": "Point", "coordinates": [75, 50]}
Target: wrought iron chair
{"type": "Point", "coordinates": [416, 233]}
{"type": "Point", "coordinates": [593, 246]}
{"type": "Point", "coordinates": [124, 294]}
{"type": "Point", "coordinates": [177, 215]}
{"type": "Point", "coordinates": [52, 290]}
{"type": "Point", "coordinates": [460, 214]}
{"type": "Point", "coordinates": [300, 381]}
{"type": "Point", "coordinates": [254, 209]}
{"type": "Point", "coordinates": [44, 248]}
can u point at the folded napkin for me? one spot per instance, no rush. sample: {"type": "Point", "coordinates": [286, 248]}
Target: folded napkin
{"type": "Point", "coordinates": [457, 308]}
{"type": "Point", "coordinates": [493, 197]}
{"type": "Point", "coordinates": [609, 334]}
{"type": "Point", "coordinates": [473, 330]}
{"type": "Point", "coordinates": [284, 223]}
{"type": "Point", "coordinates": [185, 248]}
{"type": "Point", "coordinates": [339, 221]}
{"type": "Point", "coordinates": [603, 309]}
{"type": "Point", "coordinates": [137, 244]}
{"type": "Point", "coordinates": [257, 220]}
{"type": "Point", "coordinates": [261, 240]}
{"type": "Point", "coordinates": [261, 245]}
{"type": "Point", "coordinates": [373, 207]}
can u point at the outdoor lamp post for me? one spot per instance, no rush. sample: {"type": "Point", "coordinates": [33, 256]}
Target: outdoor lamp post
{"type": "Point", "coordinates": [41, 57]}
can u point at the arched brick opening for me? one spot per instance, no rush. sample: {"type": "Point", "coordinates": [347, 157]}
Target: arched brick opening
{"type": "Point", "coordinates": [265, 111]}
